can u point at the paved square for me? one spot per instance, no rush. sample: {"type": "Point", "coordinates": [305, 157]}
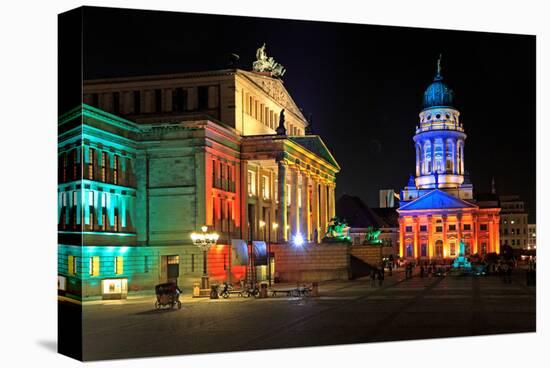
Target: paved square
{"type": "Point", "coordinates": [346, 312]}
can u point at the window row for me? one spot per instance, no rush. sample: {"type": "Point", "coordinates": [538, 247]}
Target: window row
{"type": "Point", "coordinates": [105, 213]}
{"type": "Point", "coordinates": [98, 166]}
{"type": "Point", "coordinates": [439, 228]}
{"type": "Point", "coordinates": [94, 265]}
{"type": "Point", "coordinates": [223, 214]}
{"type": "Point", "coordinates": [262, 113]}
{"type": "Point", "coordinates": [516, 231]}
{"type": "Point", "coordinates": [180, 99]}
{"type": "Point", "coordinates": [223, 176]}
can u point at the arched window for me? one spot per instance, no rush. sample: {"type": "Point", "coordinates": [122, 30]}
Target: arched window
{"type": "Point", "coordinates": [427, 158]}
{"type": "Point", "coordinates": [449, 156]}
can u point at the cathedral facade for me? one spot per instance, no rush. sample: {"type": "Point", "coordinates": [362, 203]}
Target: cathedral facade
{"type": "Point", "coordinates": [437, 209]}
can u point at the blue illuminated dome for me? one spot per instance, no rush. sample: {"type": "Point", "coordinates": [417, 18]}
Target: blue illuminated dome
{"type": "Point", "coordinates": [438, 94]}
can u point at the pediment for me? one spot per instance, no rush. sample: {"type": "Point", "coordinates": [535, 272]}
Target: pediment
{"type": "Point", "coordinates": [436, 199]}
{"type": "Point", "coordinates": [275, 89]}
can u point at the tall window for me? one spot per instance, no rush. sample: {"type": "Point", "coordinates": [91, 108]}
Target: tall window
{"type": "Point", "coordinates": [137, 102]}
{"type": "Point", "coordinates": [116, 102]}
{"type": "Point", "coordinates": [75, 163]}
{"type": "Point", "coordinates": [230, 215]}
{"type": "Point", "coordinates": [91, 163]}
{"type": "Point", "coordinates": [483, 227]}
{"type": "Point", "coordinates": [452, 249]}
{"type": "Point", "coordinates": [214, 174]}
{"type": "Point", "coordinates": [94, 266]}
{"type": "Point", "coordinates": [103, 166]}
{"type": "Point", "coordinates": [64, 166]}
{"type": "Point", "coordinates": [423, 250]}
{"type": "Point", "coordinates": [158, 100]}
{"type": "Point", "coordinates": [203, 97]}
{"type": "Point", "coordinates": [71, 265]}
{"type": "Point", "coordinates": [104, 211]}
{"type": "Point", "coordinates": [265, 187]}
{"type": "Point", "coordinates": [409, 250]}
{"type": "Point", "coordinates": [115, 169]}
{"type": "Point", "coordinates": [251, 183]}
{"type": "Point", "coordinates": [179, 99]}
{"type": "Point", "coordinates": [115, 225]}
{"type": "Point", "coordinates": [119, 265]}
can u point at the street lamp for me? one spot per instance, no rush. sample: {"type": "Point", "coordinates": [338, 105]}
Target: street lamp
{"type": "Point", "coordinates": [204, 241]}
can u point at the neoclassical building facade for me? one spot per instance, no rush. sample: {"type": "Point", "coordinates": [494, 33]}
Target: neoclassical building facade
{"type": "Point", "coordinates": [146, 161]}
{"type": "Point", "coordinates": [437, 209]}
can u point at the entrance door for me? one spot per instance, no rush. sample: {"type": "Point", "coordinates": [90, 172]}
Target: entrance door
{"type": "Point", "coordinates": [439, 249]}
{"type": "Point", "coordinates": [172, 268]}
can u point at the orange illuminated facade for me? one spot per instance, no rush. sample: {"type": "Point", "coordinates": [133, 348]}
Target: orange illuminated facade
{"type": "Point", "coordinates": [438, 210]}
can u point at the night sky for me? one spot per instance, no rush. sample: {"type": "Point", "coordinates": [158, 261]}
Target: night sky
{"type": "Point", "coordinates": [363, 84]}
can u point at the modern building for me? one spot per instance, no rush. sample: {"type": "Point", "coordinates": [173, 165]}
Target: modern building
{"type": "Point", "coordinates": [388, 198]}
{"type": "Point", "coordinates": [437, 209]}
{"type": "Point", "coordinates": [514, 222]}
{"type": "Point", "coordinates": [146, 161]}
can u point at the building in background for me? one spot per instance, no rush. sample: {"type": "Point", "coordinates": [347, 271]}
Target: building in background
{"type": "Point", "coordinates": [146, 161]}
{"type": "Point", "coordinates": [437, 207]}
{"type": "Point", "coordinates": [532, 241]}
{"type": "Point", "coordinates": [388, 198]}
{"type": "Point", "coordinates": [514, 222]}
{"type": "Point", "coordinates": [360, 217]}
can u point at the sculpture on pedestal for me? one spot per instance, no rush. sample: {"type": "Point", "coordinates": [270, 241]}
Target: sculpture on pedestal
{"type": "Point", "coordinates": [264, 64]}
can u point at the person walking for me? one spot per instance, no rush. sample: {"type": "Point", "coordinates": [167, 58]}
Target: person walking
{"type": "Point", "coordinates": [373, 277]}
{"type": "Point", "coordinates": [380, 277]}
{"type": "Point", "coordinates": [422, 271]}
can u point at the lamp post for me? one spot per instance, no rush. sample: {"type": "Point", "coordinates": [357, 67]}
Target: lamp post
{"type": "Point", "coordinates": [204, 241]}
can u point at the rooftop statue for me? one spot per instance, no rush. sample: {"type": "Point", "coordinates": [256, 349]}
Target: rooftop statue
{"type": "Point", "coordinates": [264, 63]}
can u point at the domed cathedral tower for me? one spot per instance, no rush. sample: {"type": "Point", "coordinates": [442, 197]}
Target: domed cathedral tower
{"type": "Point", "coordinates": [439, 218]}
{"type": "Point", "coordinates": [439, 145]}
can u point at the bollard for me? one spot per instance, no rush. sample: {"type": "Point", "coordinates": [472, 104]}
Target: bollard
{"type": "Point", "coordinates": [263, 290]}
{"type": "Point", "coordinates": [315, 289]}
{"type": "Point", "coordinates": [196, 289]}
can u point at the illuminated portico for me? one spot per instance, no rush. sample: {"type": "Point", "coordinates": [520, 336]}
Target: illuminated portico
{"type": "Point", "coordinates": [296, 177]}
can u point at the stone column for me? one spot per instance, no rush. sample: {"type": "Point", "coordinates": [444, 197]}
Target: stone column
{"type": "Point", "coordinates": [495, 229]}
{"type": "Point", "coordinates": [294, 218]}
{"type": "Point", "coordinates": [322, 210]}
{"type": "Point", "coordinates": [455, 158]}
{"type": "Point", "coordinates": [304, 218]}
{"type": "Point", "coordinates": [432, 147]}
{"type": "Point", "coordinates": [401, 238]}
{"type": "Point", "coordinates": [273, 233]}
{"type": "Point", "coordinates": [459, 232]}
{"type": "Point", "coordinates": [445, 240]}
{"type": "Point", "coordinates": [462, 158]}
{"type": "Point", "coordinates": [416, 246]}
{"type": "Point", "coordinates": [244, 199]}
{"type": "Point", "coordinates": [315, 207]}
{"type": "Point", "coordinates": [431, 244]}
{"type": "Point", "coordinates": [281, 193]}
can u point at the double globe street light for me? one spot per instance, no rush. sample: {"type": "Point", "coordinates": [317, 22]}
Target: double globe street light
{"type": "Point", "coordinates": [204, 241]}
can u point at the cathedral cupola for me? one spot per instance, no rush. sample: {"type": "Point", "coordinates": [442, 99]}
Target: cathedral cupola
{"type": "Point", "coordinates": [439, 139]}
